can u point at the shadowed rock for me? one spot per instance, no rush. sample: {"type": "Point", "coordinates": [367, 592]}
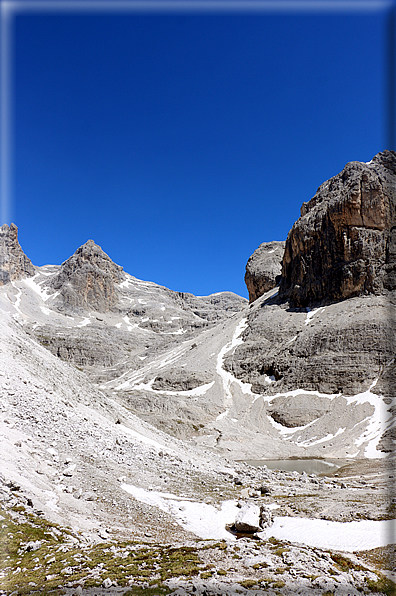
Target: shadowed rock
{"type": "Point", "coordinates": [343, 243]}
{"type": "Point", "coordinates": [14, 264]}
{"type": "Point", "coordinates": [263, 269]}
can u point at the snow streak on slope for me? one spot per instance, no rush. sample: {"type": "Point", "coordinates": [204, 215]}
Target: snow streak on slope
{"type": "Point", "coordinates": [228, 378]}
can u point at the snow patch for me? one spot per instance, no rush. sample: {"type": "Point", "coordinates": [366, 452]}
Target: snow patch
{"type": "Point", "coordinates": [84, 322]}
{"type": "Point", "coordinates": [208, 522]}
{"type": "Point", "coordinates": [328, 437]}
{"type": "Point", "coordinates": [312, 313]}
{"type": "Point", "coordinates": [203, 520]}
{"type": "Point", "coordinates": [228, 378]}
{"type": "Point", "coordinates": [29, 281]}
{"type": "Point", "coordinates": [344, 536]}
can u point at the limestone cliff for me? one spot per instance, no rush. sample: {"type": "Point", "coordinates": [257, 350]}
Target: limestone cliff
{"type": "Point", "coordinates": [14, 264]}
{"type": "Point", "coordinates": [343, 244]}
{"type": "Point", "coordinates": [87, 279]}
{"type": "Point", "coordinates": [263, 269]}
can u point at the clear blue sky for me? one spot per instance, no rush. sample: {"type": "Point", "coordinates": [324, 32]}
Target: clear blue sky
{"type": "Point", "coordinates": [181, 142]}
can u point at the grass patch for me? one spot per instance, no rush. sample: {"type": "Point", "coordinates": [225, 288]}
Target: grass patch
{"type": "Point", "coordinates": [279, 551]}
{"type": "Point", "coordinates": [248, 583]}
{"type": "Point", "coordinates": [383, 557]}
{"type": "Point", "coordinates": [56, 560]}
{"type": "Point", "coordinates": [344, 564]}
{"type": "Point", "coordinates": [383, 585]}
{"type": "Point", "coordinates": [278, 584]}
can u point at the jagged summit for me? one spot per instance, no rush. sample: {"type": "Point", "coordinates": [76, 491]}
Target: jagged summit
{"type": "Point", "coordinates": [343, 244]}
{"type": "Point", "coordinates": [14, 264]}
{"type": "Point", "coordinates": [88, 278]}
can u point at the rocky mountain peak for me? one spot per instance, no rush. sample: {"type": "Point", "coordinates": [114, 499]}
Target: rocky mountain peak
{"type": "Point", "coordinates": [14, 264]}
{"type": "Point", "coordinates": [87, 279]}
{"type": "Point", "coordinates": [343, 244]}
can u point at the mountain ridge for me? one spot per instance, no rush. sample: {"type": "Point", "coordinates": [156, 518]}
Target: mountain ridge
{"type": "Point", "coordinates": [126, 408]}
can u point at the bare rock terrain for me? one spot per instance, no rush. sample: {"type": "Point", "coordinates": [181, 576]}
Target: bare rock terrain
{"type": "Point", "coordinates": [134, 419]}
{"type": "Point", "coordinates": [343, 243]}
{"type": "Point", "coordinates": [263, 269]}
{"type": "Point", "coordinates": [14, 264]}
{"type": "Point", "coordinates": [87, 279]}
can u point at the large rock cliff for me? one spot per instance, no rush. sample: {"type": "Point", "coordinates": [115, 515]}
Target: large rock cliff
{"type": "Point", "coordinates": [343, 244]}
{"type": "Point", "coordinates": [14, 264]}
{"type": "Point", "coordinates": [339, 257]}
{"type": "Point", "coordinates": [87, 279]}
{"type": "Point", "coordinates": [263, 269]}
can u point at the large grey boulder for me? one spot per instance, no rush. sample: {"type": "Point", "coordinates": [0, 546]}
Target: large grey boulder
{"type": "Point", "coordinates": [14, 264]}
{"type": "Point", "coordinates": [87, 279]}
{"type": "Point", "coordinates": [263, 269]}
{"type": "Point", "coordinates": [251, 518]}
{"type": "Point", "coordinates": [343, 244]}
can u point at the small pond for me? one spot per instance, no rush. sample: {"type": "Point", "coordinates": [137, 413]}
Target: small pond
{"type": "Point", "coordinates": [310, 466]}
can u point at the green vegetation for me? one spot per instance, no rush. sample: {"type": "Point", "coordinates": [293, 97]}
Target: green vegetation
{"type": "Point", "coordinates": [248, 583]}
{"type": "Point", "coordinates": [278, 584]}
{"type": "Point", "coordinates": [383, 585]}
{"type": "Point", "coordinates": [55, 560]}
{"type": "Point", "coordinates": [281, 550]}
{"type": "Point", "coordinates": [344, 564]}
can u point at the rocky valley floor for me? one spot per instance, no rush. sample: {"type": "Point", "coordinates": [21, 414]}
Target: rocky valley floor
{"type": "Point", "coordinates": [95, 501]}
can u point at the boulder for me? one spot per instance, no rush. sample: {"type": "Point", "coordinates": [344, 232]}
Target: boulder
{"type": "Point", "coordinates": [263, 269]}
{"type": "Point", "coordinates": [251, 518]}
{"type": "Point", "coordinates": [247, 520]}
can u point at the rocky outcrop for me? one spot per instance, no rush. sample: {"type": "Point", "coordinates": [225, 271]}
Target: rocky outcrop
{"type": "Point", "coordinates": [299, 410]}
{"type": "Point", "coordinates": [263, 269]}
{"type": "Point", "coordinates": [214, 307]}
{"type": "Point", "coordinates": [180, 380]}
{"type": "Point", "coordinates": [14, 264]}
{"type": "Point", "coordinates": [87, 279]}
{"type": "Point", "coordinates": [341, 348]}
{"type": "Point", "coordinates": [343, 244]}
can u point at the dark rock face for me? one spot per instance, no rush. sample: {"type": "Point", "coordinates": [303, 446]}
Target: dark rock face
{"type": "Point", "coordinates": [87, 279]}
{"type": "Point", "coordinates": [14, 264]}
{"type": "Point", "coordinates": [263, 269]}
{"type": "Point", "coordinates": [343, 244]}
